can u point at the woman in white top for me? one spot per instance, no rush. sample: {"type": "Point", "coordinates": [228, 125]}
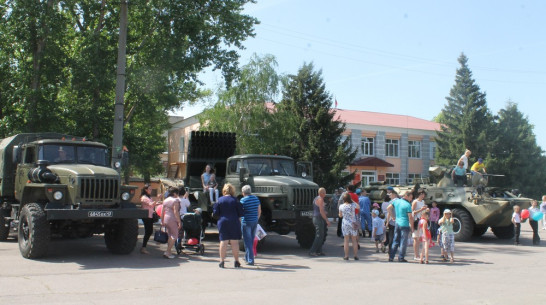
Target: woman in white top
{"type": "Point", "coordinates": [417, 207]}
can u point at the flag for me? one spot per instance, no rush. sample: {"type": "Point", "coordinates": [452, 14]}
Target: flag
{"type": "Point", "coordinates": [336, 103]}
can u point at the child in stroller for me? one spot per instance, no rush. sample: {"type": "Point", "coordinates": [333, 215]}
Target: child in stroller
{"type": "Point", "coordinates": [189, 236]}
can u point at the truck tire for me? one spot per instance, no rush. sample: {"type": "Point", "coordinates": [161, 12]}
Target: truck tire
{"type": "Point", "coordinates": [305, 234]}
{"type": "Point", "coordinates": [463, 227]}
{"type": "Point", "coordinates": [4, 225]}
{"type": "Point", "coordinates": [33, 231]}
{"type": "Point", "coordinates": [506, 232]}
{"type": "Point", "coordinates": [479, 230]}
{"type": "Point", "coordinates": [121, 237]}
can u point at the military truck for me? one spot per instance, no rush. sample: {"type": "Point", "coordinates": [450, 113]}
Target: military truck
{"type": "Point", "coordinates": [55, 184]}
{"type": "Point", "coordinates": [285, 188]}
{"type": "Point", "coordinates": [475, 207]}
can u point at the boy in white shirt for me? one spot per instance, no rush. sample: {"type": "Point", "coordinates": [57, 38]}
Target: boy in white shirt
{"type": "Point", "coordinates": [378, 231]}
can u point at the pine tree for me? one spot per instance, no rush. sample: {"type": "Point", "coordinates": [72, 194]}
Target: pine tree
{"type": "Point", "coordinates": [515, 153]}
{"type": "Point", "coordinates": [466, 120]}
{"type": "Point", "coordinates": [313, 132]}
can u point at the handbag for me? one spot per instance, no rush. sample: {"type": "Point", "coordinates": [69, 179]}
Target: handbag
{"type": "Point", "coordinates": [155, 217]}
{"type": "Point", "coordinates": [161, 235]}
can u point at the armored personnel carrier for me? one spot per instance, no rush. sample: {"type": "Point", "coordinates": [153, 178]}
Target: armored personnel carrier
{"type": "Point", "coordinates": [475, 207]}
{"type": "Point", "coordinates": [285, 187]}
{"type": "Point", "coordinates": [59, 184]}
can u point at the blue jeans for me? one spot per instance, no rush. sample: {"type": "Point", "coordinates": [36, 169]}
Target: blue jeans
{"type": "Point", "coordinates": [366, 221]}
{"type": "Point", "coordinates": [400, 239]}
{"type": "Point", "coordinates": [320, 230]}
{"type": "Point", "coordinates": [249, 232]}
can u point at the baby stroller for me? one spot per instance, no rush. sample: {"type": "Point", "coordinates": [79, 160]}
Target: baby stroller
{"type": "Point", "coordinates": [190, 235]}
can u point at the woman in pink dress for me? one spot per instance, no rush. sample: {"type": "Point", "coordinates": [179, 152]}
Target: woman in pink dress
{"type": "Point", "coordinates": [170, 219]}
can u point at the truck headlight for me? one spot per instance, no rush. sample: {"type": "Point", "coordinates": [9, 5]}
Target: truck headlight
{"type": "Point", "coordinates": [125, 196]}
{"type": "Point", "coordinates": [58, 195]}
{"type": "Point", "coordinates": [117, 164]}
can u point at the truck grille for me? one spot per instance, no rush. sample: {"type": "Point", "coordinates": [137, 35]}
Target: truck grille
{"type": "Point", "coordinates": [99, 190]}
{"type": "Point", "coordinates": [303, 198]}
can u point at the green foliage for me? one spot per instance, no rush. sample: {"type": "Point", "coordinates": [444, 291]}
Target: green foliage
{"type": "Point", "coordinates": [246, 107]}
{"type": "Point", "coordinates": [466, 120]}
{"type": "Point", "coordinates": [314, 134]}
{"type": "Point", "coordinates": [515, 154]}
{"type": "Point", "coordinates": [58, 65]}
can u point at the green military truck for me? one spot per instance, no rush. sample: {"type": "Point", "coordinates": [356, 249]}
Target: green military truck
{"type": "Point", "coordinates": [55, 184]}
{"type": "Point", "coordinates": [285, 188]}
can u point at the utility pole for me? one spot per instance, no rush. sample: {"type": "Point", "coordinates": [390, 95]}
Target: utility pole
{"type": "Point", "coordinates": [117, 142]}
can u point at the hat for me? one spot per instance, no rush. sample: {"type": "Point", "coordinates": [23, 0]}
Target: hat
{"type": "Point", "coordinates": [376, 212]}
{"type": "Point", "coordinates": [375, 205]}
{"type": "Point", "coordinates": [447, 211]}
{"type": "Point", "coordinates": [341, 189]}
{"type": "Point", "coordinates": [390, 188]}
{"type": "Point", "coordinates": [358, 191]}
{"type": "Point", "coordinates": [480, 160]}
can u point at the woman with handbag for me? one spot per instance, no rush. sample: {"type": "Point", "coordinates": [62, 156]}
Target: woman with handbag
{"type": "Point", "coordinates": [349, 225]}
{"type": "Point", "coordinates": [228, 211]}
{"type": "Point", "coordinates": [147, 203]}
{"type": "Point", "coordinates": [170, 219]}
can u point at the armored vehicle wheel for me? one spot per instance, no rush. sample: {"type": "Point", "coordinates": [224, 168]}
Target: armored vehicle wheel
{"type": "Point", "coordinates": [4, 225]}
{"type": "Point", "coordinates": [463, 225]}
{"type": "Point", "coordinates": [305, 234]}
{"type": "Point", "coordinates": [479, 230]}
{"type": "Point", "coordinates": [33, 232]}
{"type": "Point", "coordinates": [506, 232]}
{"type": "Point", "coordinates": [121, 237]}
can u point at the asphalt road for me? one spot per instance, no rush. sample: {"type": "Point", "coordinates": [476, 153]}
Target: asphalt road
{"type": "Point", "coordinates": [82, 271]}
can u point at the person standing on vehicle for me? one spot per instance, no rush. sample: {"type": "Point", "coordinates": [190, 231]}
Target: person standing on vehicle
{"type": "Point", "coordinates": [251, 214]}
{"type": "Point", "coordinates": [533, 223]}
{"type": "Point", "coordinates": [464, 158]}
{"type": "Point", "coordinates": [208, 180]}
{"type": "Point", "coordinates": [147, 203]}
{"type": "Point", "coordinates": [228, 210]}
{"type": "Point", "coordinates": [365, 216]}
{"type": "Point", "coordinates": [320, 221]}
{"type": "Point", "coordinates": [478, 167]}
{"type": "Point", "coordinates": [170, 219]}
{"type": "Point", "coordinates": [403, 227]}
{"type": "Point", "coordinates": [418, 207]}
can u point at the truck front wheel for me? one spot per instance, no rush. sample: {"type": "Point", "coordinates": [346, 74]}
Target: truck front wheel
{"type": "Point", "coordinates": [121, 237]}
{"type": "Point", "coordinates": [463, 225]}
{"type": "Point", "coordinates": [305, 234]}
{"type": "Point", "coordinates": [33, 232]}
{"type": "Point", "coordinates": [506, 232]}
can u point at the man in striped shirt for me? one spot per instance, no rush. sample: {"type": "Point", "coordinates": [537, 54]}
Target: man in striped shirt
{"type": "Point", "coordinates": [251, 213]}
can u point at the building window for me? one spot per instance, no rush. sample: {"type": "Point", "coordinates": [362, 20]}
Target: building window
{"type": "Point", "coordinates": [366, 178]}
{"type": "Point", "coordinates": [432, 150]}
{"type": "Point", "coordinates": [414, 149]}
{"type": "Point", "coordinates": [392, 179]}
{"type": "Point", "coordinates": [391, 148]}
{"type": "Point", "coordinates": [181, 154]}
{"type": "Point", "coordinates": [414, 178]}
{"type": "Point", "coordinates": [367, 146]}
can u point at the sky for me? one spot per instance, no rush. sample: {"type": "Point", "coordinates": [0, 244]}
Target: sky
{"type": "Point", "coordinates": [400, 57]}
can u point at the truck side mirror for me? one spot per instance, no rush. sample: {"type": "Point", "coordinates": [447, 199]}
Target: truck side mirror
{"type": "Point", "coordinates": [243, 174]}
{"type": "Point", "coordinates": [16, 157]}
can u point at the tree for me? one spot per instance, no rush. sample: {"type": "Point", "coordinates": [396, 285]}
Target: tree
{"type": "Point", "coordinates": [466, 120]}
{"type": "Point", "coordinates": [314, 133]}
{"type": "Point", "coordinates": [62, 63]}
{"type": "Point", "coordinates": [246, 107]}
{"type": "Point", "coordinates": [515, 153]}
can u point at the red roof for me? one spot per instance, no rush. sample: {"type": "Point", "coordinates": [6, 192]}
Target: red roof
{"type": "Point", "coordinates": [384, 119]}
{"type": "Point", "coordinates": [372, 161]}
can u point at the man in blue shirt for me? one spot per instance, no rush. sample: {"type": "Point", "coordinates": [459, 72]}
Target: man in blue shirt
{"type": "Point", "coordinates": [402, 228]}
{"type": "Point", "coordinates": [365, 216]}
{"type": "Point", "coordinates": [249, 222]}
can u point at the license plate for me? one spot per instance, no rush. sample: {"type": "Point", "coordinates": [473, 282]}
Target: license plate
{"type": "Point", "coordinates": [100, 214]}
{"type": "Point", "coordinates": [307, 213]}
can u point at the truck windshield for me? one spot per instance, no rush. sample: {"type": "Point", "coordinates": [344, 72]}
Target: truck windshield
{"type": "Point", "coordinates": [55, 154]}
{"type": "Point", "coordinates": [270, 167]}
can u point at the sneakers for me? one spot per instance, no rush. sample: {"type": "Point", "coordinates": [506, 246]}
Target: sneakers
{"type": "Point", "coordinates": [168, 255]}
{"type": "Point", "coordinates": [416, 258]}
{"type": "Point", "coordinates": [144, 251]}
{"type": "Point", "coordinates": [402, 260]}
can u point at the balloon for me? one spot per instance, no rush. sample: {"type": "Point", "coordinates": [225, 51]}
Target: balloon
{"type": "Point", "coordinates": [159, 209]}
{"type": "Point", "coordinates": [524, 214]}
{"type": "Point", "coordinates": [537, 216]}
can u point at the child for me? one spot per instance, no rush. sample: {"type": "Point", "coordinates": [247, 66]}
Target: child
{"type": "Point", "coordinates": [440, 244]}
{"type": "Point", "coordinates": [448, 237]}
{"type": "Point", "coordinates": [424, 235]}
{"type": "Point", "coordinates": [378, 231]}
{"type": "Point", "coordinates": [516, 220]}
{"type": "Point", "coordinates": [434, 217]}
